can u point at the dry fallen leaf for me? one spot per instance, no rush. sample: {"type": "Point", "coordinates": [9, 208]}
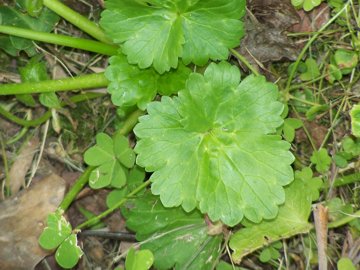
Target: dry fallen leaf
{"type": "Point", "coordinates": [22, 219]}
{"type": "Point", "coordinates": [22, 164]}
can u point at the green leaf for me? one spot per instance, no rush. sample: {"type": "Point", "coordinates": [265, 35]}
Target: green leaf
{"type": "Point", "coordinates": [291, 220]}
{"type": "Point", "coordinates": [12, 17]}
{"type": "Point", "coordinates": [226, 266]}
{"type": "Point", "coordinates": [316, 110]}
{"type": "Point", "coordinates": [159, 32]}
{"type": "Point", "coordinates": [312, 71]}
{"type": "Point", "coordinates": [333, 74]}
{"type": "Point", "coordinates": [110, 155]}
{"type": "Point", "coordinates": [68, 253]}
{"type": "Point", "coordinates": [123, 152]}
{"type": "Point", "coordinates": [34, 71]}
{"type": "Point", "coordinates": [130, 85]}
{"type": "Point", "coordinates": [135, 178]}
{"type": "Point", "coordinates": [351, 147]}
{"type": "Point", "coordinates": [102, 152]}
{"type": "Point", "coordinates": [355, 120]}
{"type": "Point", "coordinates": [57, 230]}
{"type": "Point", "coordinates": [34, 7]}
{"type": "Point", "coordinates": [139, 260]}
{"type": "Point", "coordinates": [307, 5]}
{"type": "Point", "coordinates": [346, 60]}
{"type": "Point", "coordinates": [321, 159]}
{"type": "Point", "coordinates": [212, 146]}
{"type": "Point", "coordinates": [345, 264]}
{"type": "Point", "coordinates": [313, 183]}
{"type": "Point", "coordinates": [290, 125]}
{"type": "Point", "coordinates": [178, 240]}
{"type": "Point", "coordinates": [50, 100]}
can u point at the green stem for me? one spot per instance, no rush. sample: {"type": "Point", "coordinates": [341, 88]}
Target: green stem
{"type": "Point", "coordinates": [96, 219]}
{"type": "Point", "coordinates": [77, 19]}
{"type": "Point", "coordinates": [306, 47]}
{"type": "Point", "coordinates": [42, 119]}
{"type": "Point", "coordinates": [244, 61]}
{"type": "Point", "coordinates": [347, 179]}
{"type": "Point", "coordinates": [130, 122]}
{"type": "Point", "coordinates": [67, 84]}
{"type": "Point", "coordinates": [6, 165]}
{"type": "Point", "coordinates": [75, 189]}
{"type": "Point", "coordinates": [78, 43]}
{"type": "Point", "coordinates": [342, 221]}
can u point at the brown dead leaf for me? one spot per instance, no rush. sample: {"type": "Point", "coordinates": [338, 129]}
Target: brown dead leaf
{"type": "Point", "coordinates": [265, 38]}
{"type": "Point", "coordinates": [22, 164]}
{"type": "Point", "coordinates": [312, 21]}
{"type": "Point", "coordinates": [22, 219]}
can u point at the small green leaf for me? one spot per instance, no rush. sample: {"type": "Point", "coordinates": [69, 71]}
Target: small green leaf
{"type": "Point", "coordinates": [68, 253]}
{"type": "Point", "coordinates": [50, 100]}
{"type": "Point", "coordinates": [265, 255]}
{"type": "Point", "coordinates": [160, 32]}
{"type": "Point", "coordinates": [213, 146]}
{"type": "Point", "coordinates": [102, 152]}
{"type": "Point", "coordinates": [346, 60]}
{"type": "Point", "coordinates": [13, 17]}
{"type": "Point", "coordinates": [340, 160]}
{"type": "Point", "coordinates": [312, 70]}
{"type": "Point", "coordinates": [130, 85]}
{"type": "Point", "coordinates": [307, 5]}
{"type": "Point", "coordinates": [321, 159]}
{"type": "Point", "coordinates": [34, 7]}
{"type": "Point", "coordinates": [313, 183]}
{"type": "Point", "coordinates": [115, 196]}
{"type": "Point", "coordinates": [355, 120]}
{"type": "Point", "coordinates": [316, 110]}
{"type": "Point", "coordinates": [345, 264]}
{"type": "Point", "coordinates": [139, 260]}
{"type": "Point", "coordinates": [333, 74]}
{"type": "Point", "coordinates": [123, 152]}
{"type": "Point", "coordinates": [57, 230]}
{"type": "Point", "coordinates": [290, 125]}
{"type": "Point", "coordinates": [291, 220]}
{"type": "Point", "coordinates": [351, 147]}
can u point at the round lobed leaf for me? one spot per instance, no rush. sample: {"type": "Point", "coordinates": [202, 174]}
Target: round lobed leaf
{"type": "Point", "coordinates": [159, 32]}
{"type": "Point", "coordinates": [212, 147]}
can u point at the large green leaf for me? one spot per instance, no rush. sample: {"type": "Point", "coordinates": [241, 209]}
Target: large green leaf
{"type": "Point", "coordinates": [178, 240]}
{"type": "Point", "coordinates": [159, 32]}
{"type": "Point", "coordinates": [129, 85]}
{"type": "Point", "coordinates": [212, 147]}
{"type": "Point", "coordinates": [13, 17]}
{"type": "Point", "coordinates": [291, 220]}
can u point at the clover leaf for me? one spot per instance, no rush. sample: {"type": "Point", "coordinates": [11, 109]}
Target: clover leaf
{"type": "Point", "coordinates": [178, 240]}
{"type": "Point", "coordinates": [58, 234]}
{"type": "Point", "coordinates": [213, 146]}
{"type": "Point", "coordinates": [139, 260]}
{"type": "Point", "coordinates": [111, 156]}
{"type": "Point", "coordinates": [290, 125]}
{"type": "Point", "coordinates": [321, 160]}
{"type": "Point", "coordinates": [159, 32]}
{"type": "Point", "coordinates": [307, 5]}
{"type": "Point", "coordinates": [129, 85]}
{"type": "Point", "coordinates": [68, 253]}
{"type": "Point", "coordinates": [57, 230]}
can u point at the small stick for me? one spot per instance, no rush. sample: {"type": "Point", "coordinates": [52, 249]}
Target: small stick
{"type": "Point", "coordinates": [321, 220]}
